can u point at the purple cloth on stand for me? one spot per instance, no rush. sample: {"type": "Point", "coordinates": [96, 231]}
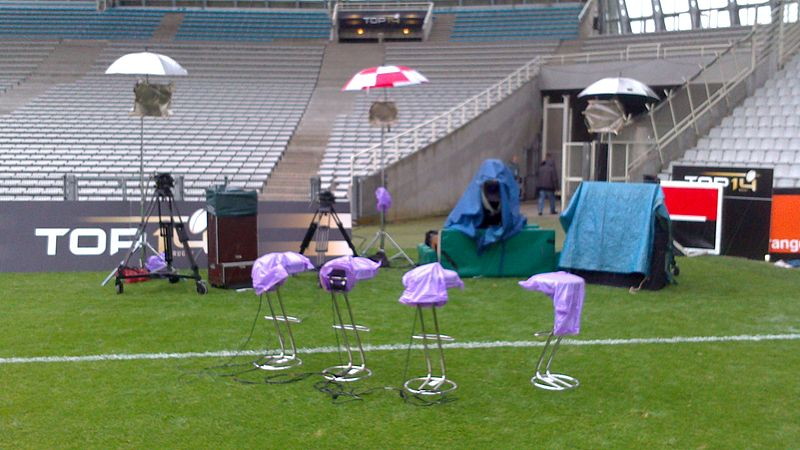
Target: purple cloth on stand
{"type": "Point", "coordinates": [356, 268]}
{"type": "Point", "coordinates": [384, 199]}
{"type": "Point", "coordinates": [427, 285]}
{"type": "Point", "coordinates": [567, 291]}
{"type": "Point", "coordinates": [156, 263]}
{"type": "Point", "coordinates": [272, 269]}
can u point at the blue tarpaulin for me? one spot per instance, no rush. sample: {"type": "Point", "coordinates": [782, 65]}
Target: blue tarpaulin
{"type": "Point", "coordinates": [610, 227]}
{"type": "Point", "coordinates": [469, 213]}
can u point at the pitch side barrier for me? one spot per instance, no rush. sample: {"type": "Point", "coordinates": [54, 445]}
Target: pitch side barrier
{"type": "Point", "coordinates": [88, 236]}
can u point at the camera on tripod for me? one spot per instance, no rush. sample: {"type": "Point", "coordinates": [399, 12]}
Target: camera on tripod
{"type": "Point", "coordinates": [164, 182]}
{"type": "Point", "coordinates": [326, 199]}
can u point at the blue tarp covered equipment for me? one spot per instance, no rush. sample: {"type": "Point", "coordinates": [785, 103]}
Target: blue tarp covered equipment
{"type": "Point", "coordinates": [611, 226]}
{"type": "Point", "coordinates": [468, 214]}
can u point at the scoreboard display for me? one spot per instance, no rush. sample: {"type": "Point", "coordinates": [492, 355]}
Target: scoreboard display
{"type": "Point", "coordinates": [380, 25]}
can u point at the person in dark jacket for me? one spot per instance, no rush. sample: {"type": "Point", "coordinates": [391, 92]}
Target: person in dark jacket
{"type": "Point", "coordinates": [547, 183]}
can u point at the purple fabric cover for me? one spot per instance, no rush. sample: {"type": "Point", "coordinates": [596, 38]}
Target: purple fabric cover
{"type": "Point", "coordinates": [356, 268]}
{"type": "Point", "coordinates": [272, 269]}
{"type": "Point", "coordinates": [155, 263]}
{"type": "Point", "coordinates": [427, 285]}
{"type": "Point", "coordinates": [567, 291]}
{"type": "Point", "coordinates": [384, 199]}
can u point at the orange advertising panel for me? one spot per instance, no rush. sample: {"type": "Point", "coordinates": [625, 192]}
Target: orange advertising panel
{"type": "Point", "coordinates": [784, 235]}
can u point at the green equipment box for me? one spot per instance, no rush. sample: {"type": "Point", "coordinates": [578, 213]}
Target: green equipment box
{"type": "Point", "coordinates": [529, 252]}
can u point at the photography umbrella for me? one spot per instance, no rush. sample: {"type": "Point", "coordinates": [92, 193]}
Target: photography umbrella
{"type": "Point", "coordinates": [632, 94]}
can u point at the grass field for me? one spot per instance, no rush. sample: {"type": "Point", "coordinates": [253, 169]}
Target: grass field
{"type": "Point", "coordinates": [725, 394]}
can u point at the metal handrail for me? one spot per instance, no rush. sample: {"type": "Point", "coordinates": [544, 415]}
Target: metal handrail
{"type": "Point", "coordinates": [761, 37]}
{"type": "Point", "coordinates": [585, 9]}
{"type": "Point", "coordinates": [415, 138]}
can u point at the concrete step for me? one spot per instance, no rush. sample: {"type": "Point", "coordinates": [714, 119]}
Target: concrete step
{"type": "Point", "coordinates": [442, 28]}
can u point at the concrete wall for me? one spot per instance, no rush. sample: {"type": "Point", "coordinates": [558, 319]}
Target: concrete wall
{"type": "Point", "coordinates": [432, 180]}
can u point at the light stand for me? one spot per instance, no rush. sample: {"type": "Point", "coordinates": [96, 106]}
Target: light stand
{"type": "Point", "coordinates": [382, 235]}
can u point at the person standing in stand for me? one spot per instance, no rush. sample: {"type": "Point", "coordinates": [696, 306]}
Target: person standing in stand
{"type": "Point", "coordinates": [547, 183]}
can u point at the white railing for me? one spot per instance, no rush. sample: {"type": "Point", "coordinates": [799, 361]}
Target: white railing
{"type": "Point", "coordinates": [637, 51]}
{"type": "Point", "coordinates": [409, 141]}
{"type": "Point", "coordinates": [778, 39]}
{"type": "Point", "coordinates": [585, 10]}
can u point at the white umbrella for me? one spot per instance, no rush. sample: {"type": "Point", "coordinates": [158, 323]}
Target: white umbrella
{"type": "Point", "coordinates": [145, 63]}
{"type": "Point", "coordinates": [618, 86]}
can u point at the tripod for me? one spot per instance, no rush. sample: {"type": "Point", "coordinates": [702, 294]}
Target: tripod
{"type": "Point", "coordinates": [321, 226]}
{"type": "Point", "coordinates": [162, 202]}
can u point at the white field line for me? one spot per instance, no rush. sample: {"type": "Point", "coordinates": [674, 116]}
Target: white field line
{"type": "Point", "coordinates": [395, 347]}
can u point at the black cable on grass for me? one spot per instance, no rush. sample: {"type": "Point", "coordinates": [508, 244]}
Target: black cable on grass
{"type": "Point", "coordinates": [228, 364]}
{"type": "Point", "coordinates": [345, 392]}
{"type": "Point", "coordinates": [279, 378]}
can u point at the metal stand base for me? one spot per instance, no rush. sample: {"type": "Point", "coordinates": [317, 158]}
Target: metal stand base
{"type": "Point", "coordinates": [381, 236]}
{"type": "Point", "coordinates": [277, 362]}
{"type": "Point", "coordinates": [544, 379]}
{"type": "Point", "coordinates": [283, 359]}
{"type": "Point", "coordinates": [431, 384]}
{"type": "Point", "coordinates": [351, 371]}
{"type": "Point", "coordinates": [346, 373]}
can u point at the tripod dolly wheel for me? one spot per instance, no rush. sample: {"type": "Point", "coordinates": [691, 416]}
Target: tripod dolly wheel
{"type": "Point", "coordinates": [202, 289]}
{"type": "Point", "coordinates": [174, 279]}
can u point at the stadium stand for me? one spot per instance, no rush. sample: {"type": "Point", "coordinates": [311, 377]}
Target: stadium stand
{"type": "Point", "coordinates": [234, 115]}
{"type": "Point", "coordinates": [257, 25]}
{"type": "Point", "coordinates": [559, 21]}
{"type": "Point", "coordinates": [75, 20]}
{"type": "Point", "coordinates": [763, 131]}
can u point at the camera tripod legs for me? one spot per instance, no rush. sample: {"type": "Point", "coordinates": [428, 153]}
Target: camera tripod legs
{"type": "Point", "coordinates": [321, 231]}
{"type": "Point", "coordinates": [166, 232]}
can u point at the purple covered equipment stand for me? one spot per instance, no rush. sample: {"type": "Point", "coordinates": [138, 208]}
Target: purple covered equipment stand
{"type": "Point", "coordinates": [269, 273]}
{"type": "Point", "coordinates": [567, 292]}
{"type": "Point", "coordinates": [426, 287]}
{"type": "Point", "coordinates": [339, 276]}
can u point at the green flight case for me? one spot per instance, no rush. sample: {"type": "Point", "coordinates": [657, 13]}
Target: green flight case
{"type": "Point", "coordinates": [529, 252]}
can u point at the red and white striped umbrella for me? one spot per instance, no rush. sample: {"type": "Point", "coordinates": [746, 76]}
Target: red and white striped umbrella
{"type": "Point", "coordinates": [384, 77]}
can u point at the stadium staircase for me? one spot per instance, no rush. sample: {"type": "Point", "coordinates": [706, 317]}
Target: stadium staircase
{"type": "Point", "coordinates": [442, 27]}
{"type": "Point", "coordinates": [290, 180]}
{"type": "Point", "coordinates": [168, 29]}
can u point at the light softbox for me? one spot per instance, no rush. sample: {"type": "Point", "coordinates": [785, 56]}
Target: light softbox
{"type": "Point", "coordinates": [382, 114]}
{"type": "Point", "coordinates": [152, 99]}
{"type": "Point", "coordinates": [605, 116]}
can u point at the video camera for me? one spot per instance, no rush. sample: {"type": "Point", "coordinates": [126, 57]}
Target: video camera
{"type": "Point", "coordinates": [164, 182]}
{"type": "Point", "coordinates": [326, 199]}
{"type": "Point", "coordinates": [338, 280]}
